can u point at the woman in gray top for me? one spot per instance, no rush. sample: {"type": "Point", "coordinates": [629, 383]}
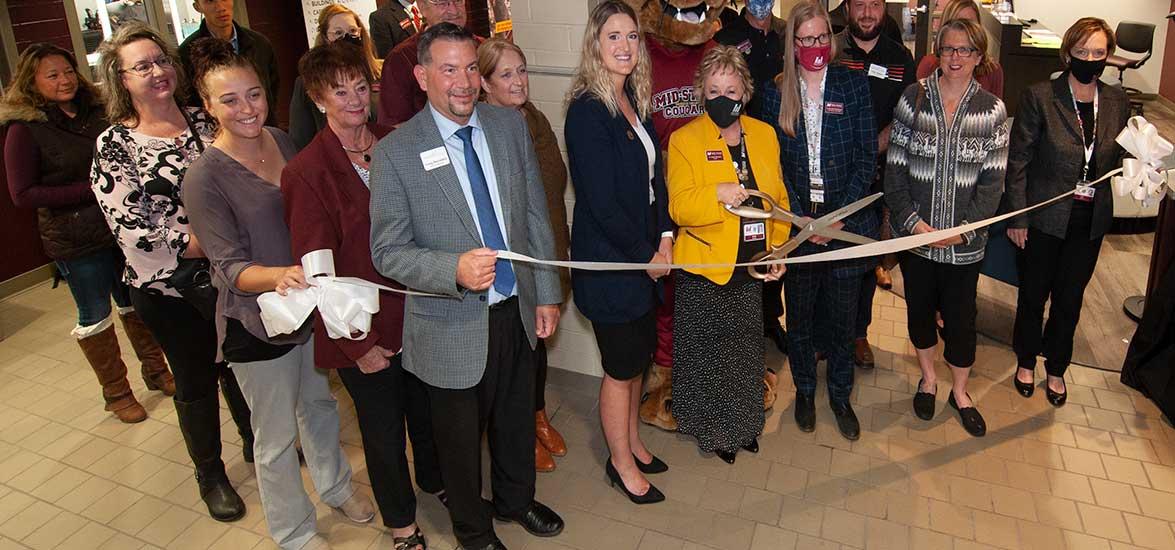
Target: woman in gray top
{"type": "Point", "coordinates": [235, 208]}
{"type": "Point", "coordinates": [947, 155]}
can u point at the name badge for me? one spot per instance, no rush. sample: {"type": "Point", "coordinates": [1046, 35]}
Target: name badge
{"type": "Point", "coordinates": [714, 156]}
{"type": "Point", "coordinates": [834, 108]}
{"type": "Point", "coordinates": [434, 158]}
{"type": "Point", "coordinates": [1084, 192]}
{"type": "Point", "coordinates": [878, 71]}
{"type": "Point", "coordinates": [744, 47]}
{"type": "Point", "coordinates": [755, 231]}
{"type": "Point", "coordinates": [816, 190]}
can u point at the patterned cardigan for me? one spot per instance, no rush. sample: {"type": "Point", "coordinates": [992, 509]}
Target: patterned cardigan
{"type": "Point", "coordinates": [946, 176]}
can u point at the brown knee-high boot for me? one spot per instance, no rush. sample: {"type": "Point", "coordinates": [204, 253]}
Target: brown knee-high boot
{"type": "Point", "coordinates": [152, 364]}
{"type": "Point", "coordinates": [100, 346]}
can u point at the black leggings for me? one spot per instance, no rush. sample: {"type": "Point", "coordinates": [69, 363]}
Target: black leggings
{"type": "Point", "coordinates": [946, 288]}
{"type": "Point", "coordinates": [188, 340]}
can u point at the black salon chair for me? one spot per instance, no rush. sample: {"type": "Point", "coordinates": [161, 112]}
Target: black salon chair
{"type": "Point", "coordinates": [1136, 38]}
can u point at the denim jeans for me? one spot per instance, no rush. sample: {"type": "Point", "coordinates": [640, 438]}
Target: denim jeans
{"type": "Point", "coordinates": [93, 280]}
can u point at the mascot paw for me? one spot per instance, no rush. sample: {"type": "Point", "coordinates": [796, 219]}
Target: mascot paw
{"type": "Point", "coordinates": [657, 399]}
{"type": "Point", "coordinates": [770, 382]}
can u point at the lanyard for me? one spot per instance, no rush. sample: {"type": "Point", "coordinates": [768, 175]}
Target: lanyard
{"type": "Point", "coordinates": [741, 166]}
{"type": "Point", "coordinates": [1088, 147]}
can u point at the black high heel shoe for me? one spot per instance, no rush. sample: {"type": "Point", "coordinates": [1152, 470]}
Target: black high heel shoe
{"type": "Point", "coordinates": [651, 496]}
{"type": "Point", "coordinates": [1057, 399]}
{"type": "Point", "coordinates": [753, 446]}
{"type": "Point", "coordinates": [655, 466]}
{"type": "Point", "coordinates": [1023, 388]}
{"type": "Point", "coordinates": [727, 456]}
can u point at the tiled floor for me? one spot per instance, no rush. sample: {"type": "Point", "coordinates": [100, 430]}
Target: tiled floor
{"type": "Point", "coordinates": [1098, 473]}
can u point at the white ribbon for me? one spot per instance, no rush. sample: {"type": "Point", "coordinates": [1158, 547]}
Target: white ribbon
{"type": "Point", "coordinates": [1141, 177]}
{"type": "Point", "coordinates": [345, 303]}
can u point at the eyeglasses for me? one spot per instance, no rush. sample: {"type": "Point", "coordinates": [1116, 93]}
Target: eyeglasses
{"type": "Point", "coordinates": [964, 52]}
{"type": "Point", "coordinates": [1084, 54]}
{"type": "Point", "coordinates": [447, 3]}
{"type": "Point", "coordinates": [144, 68]}
{"type": "Point", "coordinates": [339, 34]}
{"type": "Point", "coordinates": [809, 41]}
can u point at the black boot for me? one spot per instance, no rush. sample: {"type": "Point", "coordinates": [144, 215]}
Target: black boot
{"type": "Point", "coordinates": [239, 409]}
{"type": "Point", "coordinates": [200, 424]}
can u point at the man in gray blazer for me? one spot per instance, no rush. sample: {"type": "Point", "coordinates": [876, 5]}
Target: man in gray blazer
{"type": "Point", "coordinates": [449, 187]}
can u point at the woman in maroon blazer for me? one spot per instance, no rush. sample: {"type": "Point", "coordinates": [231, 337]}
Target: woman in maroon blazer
{"type": "Point", "coordinates": [326, 199]}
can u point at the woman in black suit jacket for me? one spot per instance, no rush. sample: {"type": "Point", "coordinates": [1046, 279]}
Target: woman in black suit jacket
{"type": "Point", "coordinates": [621, 215]}
{"type": "Point", "coordinates": [1063, 134]}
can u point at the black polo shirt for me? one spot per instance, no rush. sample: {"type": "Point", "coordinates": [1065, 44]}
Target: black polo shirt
{"type": "Point", "coordinates": [890, 69]}
{"type": "Point", "coordinates": [763, 51]}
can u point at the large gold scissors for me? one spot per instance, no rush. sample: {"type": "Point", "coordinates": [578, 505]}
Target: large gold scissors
{"type": "Point", "coordinates": [821, 226]}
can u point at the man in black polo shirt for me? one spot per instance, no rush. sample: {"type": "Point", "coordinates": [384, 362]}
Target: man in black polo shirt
{"type": "Point", "coordinates": [759, 36]}
{"type": "Point", "coordinates": [864, 47]}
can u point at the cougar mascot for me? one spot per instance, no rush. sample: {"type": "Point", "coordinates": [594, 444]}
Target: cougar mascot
{"type": "Point", "coordinates": [678, 33]}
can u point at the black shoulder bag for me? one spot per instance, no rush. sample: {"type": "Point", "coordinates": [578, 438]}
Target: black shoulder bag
{"type": "Point", "coordinates": [192, 277]}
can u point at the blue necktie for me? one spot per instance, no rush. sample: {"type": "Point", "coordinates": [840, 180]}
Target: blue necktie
{"type": "Point", "coordinates": [491, 234]}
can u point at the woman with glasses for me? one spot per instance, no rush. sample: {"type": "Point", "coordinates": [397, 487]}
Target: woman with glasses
{"type": "Point", "coordinates": [138, 170]}
{"type": "Point", "coordinates": [828, 143]}
{"type": "Point", "coordinates": [335, 22]}
{"type": "Point", "coordinates": [947, 156]}
{"type": "Point", "coordinates": [1063, 136]}
{"type": "Point", "coordinates": [990, 75]}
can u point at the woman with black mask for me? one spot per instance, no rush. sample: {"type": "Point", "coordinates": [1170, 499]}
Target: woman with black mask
{"type": "Point", "coordinates": [714, 163]}
{"type": "Point", "coordinates": [1063, 136]}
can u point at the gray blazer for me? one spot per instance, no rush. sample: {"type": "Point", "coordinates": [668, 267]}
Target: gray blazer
{"type": "Point", "coordinates": [421, 223]}
{"type": "Point", "coordinates": [1045, 155]}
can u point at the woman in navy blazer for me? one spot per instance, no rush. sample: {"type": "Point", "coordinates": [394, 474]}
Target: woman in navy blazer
{"type": "Point", "coordinates": [621, 215]}
{"type": "Point", "coordinates": [822, 297]}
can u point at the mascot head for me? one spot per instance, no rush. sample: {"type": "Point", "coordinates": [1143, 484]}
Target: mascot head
{"type": "Point", "coordinates": [686, 22]}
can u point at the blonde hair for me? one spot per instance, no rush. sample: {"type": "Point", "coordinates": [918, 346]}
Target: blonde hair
{"type": "Point", "coordinates": [591, 77]}
{"type": "Point", "coordinates": [120, 108]}
{"type": "Point", "coordinates": [23, 92]}
{"type": "Point", "coordinates": [788, 81]}
{"type": "Point", "coordinates": [976, 36]}
{"type": "Point", "coordinates": [490, 53]}
{"type": "Point", "coordinates": [717, 60]}
{"type": "Point", "coordinates": [953, 7]}
{"type": "Point", "coordinates": [332, 10]}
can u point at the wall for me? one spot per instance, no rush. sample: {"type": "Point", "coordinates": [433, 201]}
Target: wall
{"type": "Point", "coordinates": [550, 32]}
{"type": "Point", "coordinates": [1058, 15]}
{"type": "Point", "coordinates": [1167, 83]}
{"type": "Point", "coordinates": [278, 21]}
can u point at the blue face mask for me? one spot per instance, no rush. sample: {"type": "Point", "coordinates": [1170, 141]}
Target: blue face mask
{"type": "Point", "coordinates": [760, 9]}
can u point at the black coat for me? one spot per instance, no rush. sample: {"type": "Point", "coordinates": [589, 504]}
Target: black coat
{"type": "Point", "coordinates": [389, 26]}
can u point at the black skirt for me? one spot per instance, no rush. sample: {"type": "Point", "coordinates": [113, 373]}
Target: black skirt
{"type": "Point", "coordinates": [626, 349]}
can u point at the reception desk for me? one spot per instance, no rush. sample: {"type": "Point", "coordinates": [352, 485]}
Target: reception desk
{"type": "Point", "coordinates": [1024, 61]}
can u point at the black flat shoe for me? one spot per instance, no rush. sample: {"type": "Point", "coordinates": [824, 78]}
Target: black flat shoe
{"type": "Point", "coordinates": [805, 412]}
{"type": "Point", "coordinates": [970, 418]}
{"type": "Point", "coordinates": [778, 336]}
{"type": "Point", "coordinates": [1057, 399]}
{"type": "Point", "coordinates": [727, 456]}
{"type": "Point", "coordinates": [1023, 388]}
{"type": "Point", "coordinates": [923, 403]}
{"type": "Point", "coordinates": [539, 520]}
{"type": "Point", "coordinates": [651, 496]}
{"type": "Point", "coordinates": [846, 421]}
{"type": "Point", "coordinates": [655, 466]}
{"type": "Point", "coordinates": [752, 447]}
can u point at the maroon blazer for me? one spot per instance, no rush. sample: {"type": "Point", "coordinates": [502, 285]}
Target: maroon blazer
{"type": "Point", "coordinates": [327, 207]}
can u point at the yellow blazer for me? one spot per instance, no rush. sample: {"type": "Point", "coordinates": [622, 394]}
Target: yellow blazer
{"type": "Point", "coordinates": [708, 232]}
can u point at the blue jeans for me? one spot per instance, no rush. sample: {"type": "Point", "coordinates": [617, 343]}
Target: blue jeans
{"type": "Point", "coordinates": [93, 279]}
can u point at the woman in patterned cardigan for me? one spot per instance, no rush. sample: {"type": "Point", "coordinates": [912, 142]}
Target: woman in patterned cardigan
{"type": "Point", "coordinates": [947, 158]}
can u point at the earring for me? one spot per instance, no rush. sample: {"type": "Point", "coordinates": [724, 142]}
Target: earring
{"type": "Point", "coordinates": [321, 109]}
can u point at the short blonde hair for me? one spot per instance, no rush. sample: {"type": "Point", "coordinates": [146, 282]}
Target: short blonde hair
{"type": "Point", "coordinates": [976, 36]}
{"type": "Point", "coordinates": [120, 109]}
{"type": "Point", "coordinates": [490, 53]}
{"type": "Point", "coordinates": [718, 60]}
{"type": "Point", "coordinates": [591, 77]}
{"type": "Point", "coordinates": [953, 7]}
{"type": "Point", "coordinates": [1081, 31]}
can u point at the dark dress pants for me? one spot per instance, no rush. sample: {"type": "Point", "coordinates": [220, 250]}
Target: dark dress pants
{"type": "Point", "coordinates": [821, 311]}
{"type": "Point", "coordinates": [502, 406]}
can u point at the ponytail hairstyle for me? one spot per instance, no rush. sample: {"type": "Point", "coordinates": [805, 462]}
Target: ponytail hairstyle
{"type": "Point", "coordinates": [210, 55]}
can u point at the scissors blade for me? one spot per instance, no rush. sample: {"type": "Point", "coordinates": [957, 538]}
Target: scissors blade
{"type": "Point", "coordinates": [845, 211]}
{"type": "Point", "coordinates": [842, 235]}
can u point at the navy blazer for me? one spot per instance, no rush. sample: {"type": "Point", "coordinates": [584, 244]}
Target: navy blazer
{"type": "Point", "coordinates": [613, 220]}
{"type": "Point", "coordinates": [848, 153]}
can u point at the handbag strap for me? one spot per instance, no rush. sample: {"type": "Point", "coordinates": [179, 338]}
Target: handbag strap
{"type": "Point", "coordinates": [192, 128]}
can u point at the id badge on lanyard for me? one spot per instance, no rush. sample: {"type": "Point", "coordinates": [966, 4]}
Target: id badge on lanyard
{"type": "Point", "coordinates": [816, 190]}
{"type": "Point", "coordinates": [1085, 192]}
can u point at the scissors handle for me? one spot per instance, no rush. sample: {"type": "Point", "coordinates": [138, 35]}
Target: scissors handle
{"type": "Point", "coordinates": [754, 271]}
{"type": "Point", "coordinates": [769, 210]}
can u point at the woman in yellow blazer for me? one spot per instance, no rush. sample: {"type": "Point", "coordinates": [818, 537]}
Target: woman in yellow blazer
{"type": "Point", "coordinates": [718, 366]}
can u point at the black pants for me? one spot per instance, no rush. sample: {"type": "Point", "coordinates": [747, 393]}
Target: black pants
{"type": "Point", "coordinates": [188, 340]}
{"type": "Point", "coordinates": [1057, 269]}
{"type": "Point", "coordinates": [950, 290]}
{"type": "Point", "coordinates": [821, 309]}
{"type": "Point", "coordinates": [540, 376]}
{"type": "Point", "coordinates": [383, 401]}
{"type": "Point", "coordinates": [772, 304]}
{"type": "Point", "coordinates": [502, 403]}
{"type": "Point", "coordinates": [865, 304]}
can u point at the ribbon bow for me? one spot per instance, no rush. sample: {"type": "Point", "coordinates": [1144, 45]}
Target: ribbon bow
{"type": "Point", "coordinates": [1140, 177]}
{"type": "Point", "coordinates": [345, 303]}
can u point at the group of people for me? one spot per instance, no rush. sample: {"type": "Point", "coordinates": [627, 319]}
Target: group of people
{"type": "Point", "coordinates": [171, 192]}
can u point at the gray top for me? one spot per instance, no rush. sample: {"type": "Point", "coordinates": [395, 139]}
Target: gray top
{"type": "Point", "coordinates": [240, 221]}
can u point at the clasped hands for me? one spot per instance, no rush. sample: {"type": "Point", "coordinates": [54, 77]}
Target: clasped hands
{"type": "Point", "coordinates": [476, 271]}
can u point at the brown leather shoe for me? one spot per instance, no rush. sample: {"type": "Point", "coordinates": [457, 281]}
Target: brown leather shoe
{"type": "Point", "coordinates": [543, 461]}
{"type": "Point", "coordinates": [547, 435]}
{"type": "Point", "coordinates": [154, 367]}
{"type": "Point", "coordinates": [101, 351]}
{"type": "Point", "coordinates": [862, 354]}
{"type": "Point", "coordinates": [884, 281]}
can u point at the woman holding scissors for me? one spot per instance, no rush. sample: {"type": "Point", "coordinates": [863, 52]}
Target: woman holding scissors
{"type": "Point", "coordinates": [828, 139]}
{"type": "Point", "coordinates": [715, 161]}
{"type": "Point", "coordinates": [947, 155]}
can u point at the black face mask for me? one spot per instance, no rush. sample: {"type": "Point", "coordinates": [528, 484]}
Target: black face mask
{"type": "Point", "coordinates": [351, 39]}
{"type": "Point", "coordinates": [723, 110]}
{"type": "Point", "coordinates": [1086, 71]}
